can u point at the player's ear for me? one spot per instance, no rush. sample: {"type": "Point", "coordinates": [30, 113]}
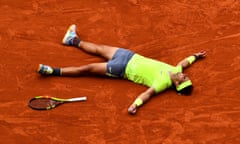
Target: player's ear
{"type": "Point", "coordinates": [176, 83]}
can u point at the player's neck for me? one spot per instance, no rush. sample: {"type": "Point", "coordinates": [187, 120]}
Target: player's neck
{"type": "Point", "coordinates": [173, 78]}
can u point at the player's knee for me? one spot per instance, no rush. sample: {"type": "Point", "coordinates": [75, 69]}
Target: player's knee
{"type": "Point", "coordinates": [97, 68]}
{"type": "Point", "coordinates": [89, 68]}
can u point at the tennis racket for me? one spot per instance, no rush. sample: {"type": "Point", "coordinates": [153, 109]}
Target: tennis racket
{"type": "Point", "coordinates": [48, 102]}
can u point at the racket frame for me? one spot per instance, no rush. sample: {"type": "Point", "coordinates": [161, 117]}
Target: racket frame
{"type": "Point", "coordinates": [77, 99]}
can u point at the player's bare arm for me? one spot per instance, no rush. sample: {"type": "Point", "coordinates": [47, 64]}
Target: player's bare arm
{"type": "Point", "coordinates": [141, 99]}
{"type": "Point", "coordinates": [189, 60]}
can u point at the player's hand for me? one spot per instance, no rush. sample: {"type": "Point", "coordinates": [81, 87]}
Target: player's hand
{"type": "Point", "coordinates": [132, 109]}
{"type": "Point", "coordinates": [200, 54]}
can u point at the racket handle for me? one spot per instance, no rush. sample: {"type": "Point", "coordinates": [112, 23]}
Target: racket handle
{"type": "Point", "coordinates": [78, 99]}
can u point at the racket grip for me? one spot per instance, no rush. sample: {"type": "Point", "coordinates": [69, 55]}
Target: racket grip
{"type": "Point", "coordinates": [79, 99]}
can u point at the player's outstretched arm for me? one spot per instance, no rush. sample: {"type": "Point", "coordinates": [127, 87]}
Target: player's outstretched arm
{"type": "Point", "coordinates": [191, 59]}
{"type": "Point", "coordinates": [141, 99]}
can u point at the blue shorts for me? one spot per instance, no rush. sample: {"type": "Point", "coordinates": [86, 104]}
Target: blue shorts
{"type": "Point", "coordinates": [117, 65]}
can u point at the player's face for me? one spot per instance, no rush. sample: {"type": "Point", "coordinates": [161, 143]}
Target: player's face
{"type": "Point", "coordinates": [182, 77]}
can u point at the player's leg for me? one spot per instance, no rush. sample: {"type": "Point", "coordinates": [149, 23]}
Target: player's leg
{"type": "Point", "coordinates": [72, 39]}
{"type": "Point", "coordinates": [105, 51]}
{"type": "Point", "coordinates": [90, 69]}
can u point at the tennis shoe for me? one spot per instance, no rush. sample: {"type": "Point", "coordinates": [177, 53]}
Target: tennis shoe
{"type": "Point", "coordinates": [45, 69]}
{"type": "Point", "coordinates": [71, 38]}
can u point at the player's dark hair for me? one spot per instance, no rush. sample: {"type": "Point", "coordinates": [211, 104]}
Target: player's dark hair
{"type": "Point", "coordinates": [185, 91]}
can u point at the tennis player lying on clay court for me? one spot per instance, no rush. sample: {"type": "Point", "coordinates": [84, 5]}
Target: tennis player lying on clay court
{"type": "Point", "coordinates": [122, 63]}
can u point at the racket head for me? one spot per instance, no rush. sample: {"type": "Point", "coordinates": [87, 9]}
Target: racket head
{"type": "Point", "coordinates": [44, 103]}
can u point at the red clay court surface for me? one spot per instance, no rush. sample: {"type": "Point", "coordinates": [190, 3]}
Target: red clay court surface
{"type": "Point", "coordinates": [167, 30]}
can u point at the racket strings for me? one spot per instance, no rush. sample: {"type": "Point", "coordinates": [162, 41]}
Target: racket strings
{"type": "Point", "coordinates": [43, 103]}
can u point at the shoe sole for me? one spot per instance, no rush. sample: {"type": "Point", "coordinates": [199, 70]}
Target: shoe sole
{"type": "Point", "coordinates": [70, 29]}
{"type": "Point", "coordinates": [39, 68]}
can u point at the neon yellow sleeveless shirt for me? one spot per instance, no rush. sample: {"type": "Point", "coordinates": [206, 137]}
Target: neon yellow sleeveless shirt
{"type": "Point", "coordinates": [149, 72]}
